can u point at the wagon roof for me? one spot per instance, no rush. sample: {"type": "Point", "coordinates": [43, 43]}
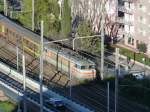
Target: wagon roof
{"type": "Point", "coordinates": [78, 59]}
{"type": "Point", "coordinates": [25, 32]}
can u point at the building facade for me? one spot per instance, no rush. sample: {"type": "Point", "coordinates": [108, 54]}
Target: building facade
{"type": "Point", "coordinates": [125, 19]}
{"type": "Point", "coordinates": [139, 30]}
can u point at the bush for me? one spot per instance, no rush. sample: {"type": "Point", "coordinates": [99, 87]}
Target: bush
{"type": "Point", "coordinates": [142, 47]}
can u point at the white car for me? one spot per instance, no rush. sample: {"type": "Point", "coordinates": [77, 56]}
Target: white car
{"type": "Point", "coordinates": [56, 102]}
{"type": "Point", "coordinates": [138, 75]}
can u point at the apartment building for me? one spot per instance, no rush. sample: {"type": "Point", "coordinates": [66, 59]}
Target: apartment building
{"type": "Point", "coordinates": [136, 16]}
{"type": "Point", "coordinates": [133, 18]}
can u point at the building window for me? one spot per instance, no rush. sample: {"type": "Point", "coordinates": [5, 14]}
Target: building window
{"type": "Point", "coordinates": [141, 18]}
{"type": "Point", "coordinates": [140, 6]}
{"type": "Point", "coordinates": [130, 41]}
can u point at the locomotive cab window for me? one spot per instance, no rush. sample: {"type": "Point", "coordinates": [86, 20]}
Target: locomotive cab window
{"type": "Point", "coordinates": [91, 66]}
{"type": "Point", "coordinates": [84, 67]}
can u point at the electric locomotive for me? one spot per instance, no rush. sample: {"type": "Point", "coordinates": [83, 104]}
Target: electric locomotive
{"type": "Point", "coordinates": [28, 41]}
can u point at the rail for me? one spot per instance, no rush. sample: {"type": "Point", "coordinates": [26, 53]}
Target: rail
{"type": "Point", "coordinates": [31, 83]}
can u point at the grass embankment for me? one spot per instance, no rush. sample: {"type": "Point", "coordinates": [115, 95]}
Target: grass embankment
{"type": "Point", "coordinates": [135, 56]}
{"type": "Point", "coordinates": [7, 106]}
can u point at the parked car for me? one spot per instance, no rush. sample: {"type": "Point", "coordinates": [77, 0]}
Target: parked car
{"type": "Point", "coordinates": [138, 75]}
{"type": "Point", "coordinates": [56, 102]}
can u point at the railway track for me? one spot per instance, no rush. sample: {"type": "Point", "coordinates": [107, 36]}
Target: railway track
{"type": "Point", "coordinates": [29, 92]}
{"type": "Point", "coordinates": [92, 95]}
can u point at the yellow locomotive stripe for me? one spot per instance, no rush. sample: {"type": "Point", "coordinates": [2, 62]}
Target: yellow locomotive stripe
{"type": "Point", "coordinates": [31, 41]}
{"type": "Point", "coordinates": [31, 51]}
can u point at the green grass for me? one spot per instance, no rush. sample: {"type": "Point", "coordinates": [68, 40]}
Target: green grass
{"type": "Point", "coordinates": [137, 56]}
{"type": "Point", "coordinates": [6, 106]}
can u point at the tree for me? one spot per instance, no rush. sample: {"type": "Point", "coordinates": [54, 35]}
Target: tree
{"type": "Point", "coordinates": [46, 10]}
{"type": "Point", "coordinates": [26, 16]}
{"type": "Point", "coordinates": [1, 5]}
{"type": "Point", "coordinates": [142, 47]}
{"type": "Point", "coordinates": [66, 18]}
{"type": "Point", "coordinates": [91, 45]}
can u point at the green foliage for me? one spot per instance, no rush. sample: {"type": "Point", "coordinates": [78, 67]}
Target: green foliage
{"type": "Point", "coordinates": [46, 10]}
{"type": "Point", "coordinates": [88, 44]}
{"type": "Point", "coordinates": [85, 29]}
{"type": "Point", "coordinates": [6, 106]}
{"type": "Point", "coordinates": [66, 18]}
{"type": "Point", "coordinates": [1, 5]}
{"type": "Point", "coordinates": [137, 56]}
{"type": "Point", "coordinates": [26, 16]}
{"type": "Point", "coordinates": [142, 47]}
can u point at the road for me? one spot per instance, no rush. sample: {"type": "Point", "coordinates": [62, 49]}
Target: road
{"type": "Point", "coordinates": [133, 67]}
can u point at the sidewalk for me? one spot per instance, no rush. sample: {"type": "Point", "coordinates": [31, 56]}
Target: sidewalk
{"type": "Point", "coordinates": [122, 45]}
{"type": "Point", "coordinates": [136, 63]}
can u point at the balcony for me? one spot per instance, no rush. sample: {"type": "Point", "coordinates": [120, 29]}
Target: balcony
{"type": "Point", "coordinates": [126, 34]}
{"type": "Point", "coordinates": [125, 10]}
{"type": "Point", "coordinates": [121, 20]}
{"type": "Point", "coordinates": [131, 1]}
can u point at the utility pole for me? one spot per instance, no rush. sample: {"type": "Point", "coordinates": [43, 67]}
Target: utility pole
{"type": "Point", "coordinates": [102, 39]}
{"type": "Point", "coordinates": [17, 50]}
{"type": "Point", "coordinates": [107, 96]}
{"type": "Point", "coordinates": [70, 78]}
{"type": "Point", "coordinates": [116, 78]}
{"type": "Point", "coordinates": [24, 83]}
{"type": "Point", "coordinates": [17, 53]}
{"type": "Point", "coordinates": [5, 7]}
{"type": "Point", "coordinates": [33, 15]}
{"type": "Point", "coordinates": [41, 69]}
{"type": "Point", "coordinates": [116, 67]}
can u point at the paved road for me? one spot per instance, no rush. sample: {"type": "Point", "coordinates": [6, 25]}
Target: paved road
{"type": "Point", "coordinates": [132, 66]}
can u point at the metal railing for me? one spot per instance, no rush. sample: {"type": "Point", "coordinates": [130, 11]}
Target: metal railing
{"type": "Point", "coordinates": [124, 9]}
{"type": "Point", "coordinates": [124, 21]}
